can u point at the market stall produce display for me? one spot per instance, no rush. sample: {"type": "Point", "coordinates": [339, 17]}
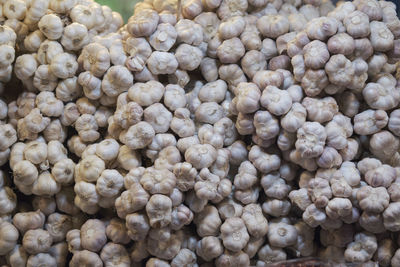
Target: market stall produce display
{"type": "Point", "coordinates": [199, 133]}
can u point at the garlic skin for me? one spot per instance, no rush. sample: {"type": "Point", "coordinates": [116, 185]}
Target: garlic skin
{"type": "Point", "coordinates": [10, 236]}
{"type": "Point", "coordinates": [208, 132]}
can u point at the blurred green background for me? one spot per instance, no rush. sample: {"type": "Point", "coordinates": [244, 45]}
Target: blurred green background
{"type": "Point", "coordinates": [124, 7]}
